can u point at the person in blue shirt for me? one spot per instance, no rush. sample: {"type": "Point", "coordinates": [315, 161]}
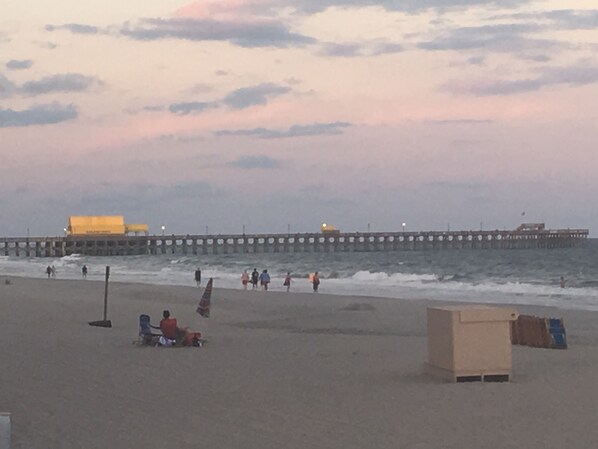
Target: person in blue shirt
{"type": "Point", "coordinates": [265, 279]}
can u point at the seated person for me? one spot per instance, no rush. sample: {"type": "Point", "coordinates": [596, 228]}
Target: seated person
{"type": "Point", "coordinates": [174, 334]}
{"type": "Point", "coordinates": [168, 326]}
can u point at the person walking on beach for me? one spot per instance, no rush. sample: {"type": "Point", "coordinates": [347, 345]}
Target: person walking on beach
{"type": "Point", "coordinates": [49, 271]}
{"type": "Point", "coordinates": [244, 279]}
{"type": "Point", "coordinates": [316, 281]}
{"type": "Point", "coordinates": [53, 268]}
{"type": "Point", "coordinates": [265, 279]}
{"type": "Point", "coordinates": [254, 279]}
{"type": "Point", "coordinates": [198, 277]}
{"type": "Point", "coordinates": [84, 271]}
{"type": "Point", "coordinates": [287, 281]}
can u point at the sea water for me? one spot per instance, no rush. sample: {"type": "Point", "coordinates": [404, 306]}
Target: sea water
{"type": "Point", "coordinates": [483, 276]}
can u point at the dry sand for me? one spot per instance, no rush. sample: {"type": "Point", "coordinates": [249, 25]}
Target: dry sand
{"type": "Point", "coordinates": [279, 371]}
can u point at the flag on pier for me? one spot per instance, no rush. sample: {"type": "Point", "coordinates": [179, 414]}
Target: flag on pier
{"type": "Point", "coordinates": [204, 303]}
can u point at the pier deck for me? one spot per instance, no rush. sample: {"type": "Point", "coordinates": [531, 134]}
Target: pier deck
{"type": "Point", "coordinates": [97, 245]}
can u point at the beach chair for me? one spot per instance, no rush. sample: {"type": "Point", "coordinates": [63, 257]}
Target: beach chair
{"type": "Point", "coordinates": [146, 336]}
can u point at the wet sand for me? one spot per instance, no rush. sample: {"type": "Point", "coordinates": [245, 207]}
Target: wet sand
{"type": "Point", "coordinates": [279, 371]}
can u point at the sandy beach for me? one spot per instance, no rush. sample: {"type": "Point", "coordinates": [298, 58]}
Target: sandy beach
{"type": "Point", "coordinates": [279, 371]}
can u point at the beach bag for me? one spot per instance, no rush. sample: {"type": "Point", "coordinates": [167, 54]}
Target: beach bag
{"type": "Point", "coordinates": [163, 341]}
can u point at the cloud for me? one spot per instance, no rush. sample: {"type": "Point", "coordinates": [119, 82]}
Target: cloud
{"type": "Point", "coordinates": [476, 60]}
{"type": "Point", "coordinates": [473, 186]}
{"type": "Point", "coordinates": [37, 115]}
{"type": "Point", "coordinates": [243, 33]}
{"type": "Point", "coordinates": [386, 48]}
{"type": "Point", "coordinates": [579, 75]}
{"type": "Point", "coordinates": [179, 138]}
{"type": "Point", "coordinates": [7, 87]}
{"type": "Point", "coordinates": [150, 108]}
{"type": "Point", "coordinates": [47, 45]}
{"type": "Point", "coordinates": [343, 50]}
{"type": "Point", "coordinates": [537, 57]}
{"type": "Point", "coordinates": [255, 162]}
{"type": "Point", "coordinates": [563, 19]}
{"type": "Point", "coordinates": [237, 99]}
{"type": "Point", "coordinates": [66, 82]}
{"type": "Point", "coordinates": [188, 108]}
{"type": "Point", "coordinates": [201, 88]}
{"type": "Point", "coordinates": [75, 28]}
{"type": "Point", "coordinates": [137, 199]}
{"type": "Point", "coordinates": [466, 121]}
{"type": "Point", "coordinates": [254, 95]}
{"type": "Point", "coordinates": [574, 19]}
{"type": "Point", "coordinates": [353, 49]}
{"type": "Point", "coordinates": [503, 38]}
{"type": "Point", "coordinates": [315, 129]}
{"type": "Point", "coordinates": [410, 6]}
{"type": "Point", "coordinates": [19, 64]}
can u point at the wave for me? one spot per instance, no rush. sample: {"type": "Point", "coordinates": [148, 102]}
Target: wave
{"type": "Point", "coordinates": [381, 276]}
{"type": "Point", "coordinates": [392, 280]}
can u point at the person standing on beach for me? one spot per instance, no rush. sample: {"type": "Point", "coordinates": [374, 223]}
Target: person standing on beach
{"type": "Point", "coordinates": [265, 279]}
{"type": "Point", "coordinates": [49, 271]}
{"type": "Point", "coordinates": [53, 268]}
{"type": "Point", "coordinates": [562, 282]}
{"type": "Point", "coordinates": [198, 277]}
{"type": "Point", "coordinates": [287, 281]}
{"type": "Point", "coordinates": [254, 279]}
{"type": "Point", "coordinates": [84, 271]}
{"type": "Point", "coordinates": [316, 281]}
{"type": "Point", "coordinates": [244, 279]}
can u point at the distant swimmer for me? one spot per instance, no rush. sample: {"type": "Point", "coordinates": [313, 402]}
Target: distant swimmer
{"type": "Point", "coordinates": [244, 279]}
{"type": "Point", "coordinates": [287, 281]}
{"type": "Point", "coordinates": [563, 282]}
{"type": "Point", "coordinates": [316, 281]}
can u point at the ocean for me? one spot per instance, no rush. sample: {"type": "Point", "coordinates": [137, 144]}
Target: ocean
{"type": "Point", "coordinates": [481, 276]}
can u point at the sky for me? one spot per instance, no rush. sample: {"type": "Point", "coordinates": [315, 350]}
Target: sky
{"type": "Point", "coordinates": [278, 114]}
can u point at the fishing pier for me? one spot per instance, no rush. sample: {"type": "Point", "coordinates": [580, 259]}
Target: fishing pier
{"type": "Point", "coordinates": [130, 245]}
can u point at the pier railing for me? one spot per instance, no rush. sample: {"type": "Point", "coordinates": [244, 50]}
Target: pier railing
{"type": "Point", "coordinates": [97, 245]}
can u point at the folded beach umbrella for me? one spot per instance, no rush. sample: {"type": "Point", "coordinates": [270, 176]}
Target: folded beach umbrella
{"type": "Point", "coordinates": [204, 303]}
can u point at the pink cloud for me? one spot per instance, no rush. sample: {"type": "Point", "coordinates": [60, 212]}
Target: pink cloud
{"type": "Point", "coordinates": [218, 9]}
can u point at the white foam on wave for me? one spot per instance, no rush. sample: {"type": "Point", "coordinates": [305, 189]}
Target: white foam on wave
{"type": "Point", "coordinates": [162, 270]}
{"type": "Point", "coordinates": [393, 278]}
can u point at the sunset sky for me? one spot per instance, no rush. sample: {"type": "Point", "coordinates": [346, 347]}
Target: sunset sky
{"type": "Point", "coordinates": [269, 113]}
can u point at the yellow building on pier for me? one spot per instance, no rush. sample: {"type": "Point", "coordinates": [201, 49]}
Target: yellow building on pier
{"type": "Point", "coordinates": [103, 225]}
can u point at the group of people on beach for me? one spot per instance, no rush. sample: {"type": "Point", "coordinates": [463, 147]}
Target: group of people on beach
{"type": "Point", "coordinates": [263, 279]}
{"type": "Point", "coordinates": [51, 271]}
{"type": "Point", "coordinates": [255, 278]}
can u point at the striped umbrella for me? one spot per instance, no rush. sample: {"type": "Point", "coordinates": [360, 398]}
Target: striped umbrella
{"type": "Point", "coordinates": [204, 303]}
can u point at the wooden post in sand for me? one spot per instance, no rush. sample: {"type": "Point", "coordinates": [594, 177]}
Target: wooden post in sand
{"type": "Point", "coordinates": [105, 322]}
{"type": "Point", "coordinates": [4, 430]}
{"type": "Point", "coordinates": [106, 294]}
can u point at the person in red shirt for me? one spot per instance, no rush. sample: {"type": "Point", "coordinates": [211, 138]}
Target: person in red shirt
{"type": "Point", "coordinates": [180, 336]}
{"type": "Point", "coordinates": [168, 326]}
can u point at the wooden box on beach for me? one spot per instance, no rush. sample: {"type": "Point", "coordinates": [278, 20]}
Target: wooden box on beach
{"type": "Point", "coordinates": [4, 430]}
{"type": "Point", "coordinates": [470, 342]}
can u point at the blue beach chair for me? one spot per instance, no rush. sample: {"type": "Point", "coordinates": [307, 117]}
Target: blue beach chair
{"type": "Point", "coordinates": [146, 336]}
